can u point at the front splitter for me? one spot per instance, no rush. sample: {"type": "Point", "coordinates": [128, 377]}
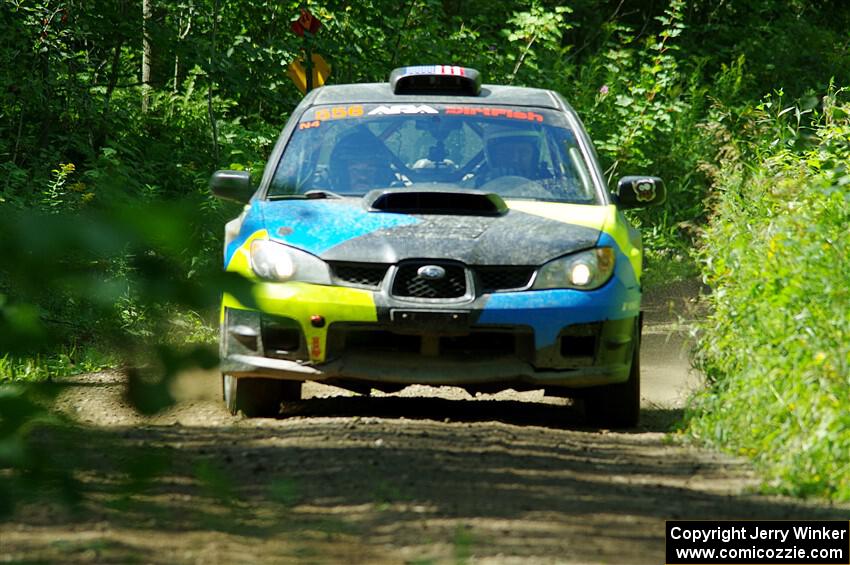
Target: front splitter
{"type": "Point", "coordinates": [412, 369]}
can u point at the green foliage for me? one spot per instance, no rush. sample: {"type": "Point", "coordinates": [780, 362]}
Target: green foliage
{"type": "Point", "coordinates": [775, 348]}
{"type": "Point", "coordinates": [22, 414]}
{"type": "Point", "coordinates": [69, 277]}
{"type": "Point", "coordinates": [463, 544]}
{"type": "Point", "coordinates": [215, 482]}
{"type": "Point", "coordinates": [285, 491]}
{"type": "Point", "coordinates": [641, 91]}
{"type": "Point", "coordinates": [536, 25]}
{"type": "Point", "coordinates": [66, 362]}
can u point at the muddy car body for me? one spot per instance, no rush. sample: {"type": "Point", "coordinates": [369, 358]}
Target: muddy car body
{"type": "Point", "coordinates": [431, 230]}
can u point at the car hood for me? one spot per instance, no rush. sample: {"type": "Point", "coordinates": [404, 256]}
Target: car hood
{"type": "Point", "coordinates": [525, 233]}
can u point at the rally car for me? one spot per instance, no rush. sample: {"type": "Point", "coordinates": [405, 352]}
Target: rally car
{"type": "Point", "coordinates": [434, 230]}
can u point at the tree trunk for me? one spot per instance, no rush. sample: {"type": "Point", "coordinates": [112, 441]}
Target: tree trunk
{"type": "Point", "coordinates": [211, 81]}
{"type": "Point", "coordinates": [146, 54]}
{"type": "Point", "coordinates": [98, 138]}
{"type": "Point", "coordinates": [114, 71]}
{"type": "Point", "coordinates": [181, 35]}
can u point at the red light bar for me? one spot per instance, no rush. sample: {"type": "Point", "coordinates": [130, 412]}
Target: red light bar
{"type": "Point", "coordinates": [436, 79]}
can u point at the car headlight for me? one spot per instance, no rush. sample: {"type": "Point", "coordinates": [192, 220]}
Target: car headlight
{"type": "Point", "coordinates": [585, 270]}
{"type": "Point", "coordinates": [277, 262]}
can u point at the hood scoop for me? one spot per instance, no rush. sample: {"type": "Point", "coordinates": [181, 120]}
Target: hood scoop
{"type": "Point", "coordinates": [449, 202]}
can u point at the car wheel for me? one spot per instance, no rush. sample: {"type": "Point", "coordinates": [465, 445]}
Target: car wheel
{"type": "Point", "coordinates": [617, 406]}
{"type": "Point", "coordinates": [257, 397]}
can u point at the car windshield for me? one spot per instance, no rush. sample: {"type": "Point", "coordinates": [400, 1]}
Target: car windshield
{"type": "Point", "coordinates": [516, 152]}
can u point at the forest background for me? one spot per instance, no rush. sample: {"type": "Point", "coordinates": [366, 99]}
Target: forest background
{"type": "Point", "coordinates": [114, 113]}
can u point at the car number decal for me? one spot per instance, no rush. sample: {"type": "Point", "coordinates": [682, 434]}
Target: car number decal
{"type": "Point", "coordinates": [339, 112]}
{"type": "Point", "coordinates": [335, 113]}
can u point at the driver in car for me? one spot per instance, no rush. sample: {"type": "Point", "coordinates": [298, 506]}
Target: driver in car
{"type": "Point", "coordinates": [513, 153]}
{"type": "Point", "coordinates": [359, 163]}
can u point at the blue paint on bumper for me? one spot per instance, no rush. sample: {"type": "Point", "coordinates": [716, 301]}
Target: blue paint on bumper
{"type": "Point", "coordinates": [547, 312]}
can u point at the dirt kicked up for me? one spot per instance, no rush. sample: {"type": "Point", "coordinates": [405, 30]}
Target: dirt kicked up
{"type": "Point", "coordinates": [423, 476]}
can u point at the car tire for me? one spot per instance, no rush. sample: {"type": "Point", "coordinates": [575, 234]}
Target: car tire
{"type": "Point", "coordinates": [258, 397]}
{"type": "Point", "coordinates": [617, 406]}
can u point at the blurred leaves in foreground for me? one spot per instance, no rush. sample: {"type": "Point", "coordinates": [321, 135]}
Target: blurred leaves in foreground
{"type": "Point", "coordinates": [70, 276]}
{"type": "Point", "coordinates": [26, 468]}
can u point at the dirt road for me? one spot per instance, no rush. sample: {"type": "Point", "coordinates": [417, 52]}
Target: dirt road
{"type": "Point", "coordinates": [424, 476]}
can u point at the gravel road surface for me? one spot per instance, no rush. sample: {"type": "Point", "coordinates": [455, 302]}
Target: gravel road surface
{"type": "Point", "coordinates": [423, 476]}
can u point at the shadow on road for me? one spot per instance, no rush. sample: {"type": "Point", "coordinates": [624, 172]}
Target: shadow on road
{"type": "Point", "coordinates": [375, 480]}
{"type": "Point", "coordinates": [374, 475]}
{"type": "Point", "coordinates": [440, 409]}
{"type": "Point", "coordinates": [567, 415]}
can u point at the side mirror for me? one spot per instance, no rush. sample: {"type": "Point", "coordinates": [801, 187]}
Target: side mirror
{"type": "Point", "coordinates": [640, 192]}
{"type": "Point", "coordinates": [232, 185]}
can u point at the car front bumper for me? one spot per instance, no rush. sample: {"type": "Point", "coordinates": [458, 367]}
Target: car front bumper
{"type": "Point", "coordinates": [408, 370]}
{"type": "Point", "coordinates": [547, 338]}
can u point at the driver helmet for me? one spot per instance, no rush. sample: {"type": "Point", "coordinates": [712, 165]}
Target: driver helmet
{"type": "Point", "coordinates": [514, 152]}
{"type": "Point", "coordinates": [359, 162]}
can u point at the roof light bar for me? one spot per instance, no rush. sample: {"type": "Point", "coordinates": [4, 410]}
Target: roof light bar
{"type": "Point", "coordinates": [436, 79]}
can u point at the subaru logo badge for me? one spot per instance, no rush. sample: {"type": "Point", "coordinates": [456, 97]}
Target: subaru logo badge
{"type": "Point", "coordinates": [431, 272]}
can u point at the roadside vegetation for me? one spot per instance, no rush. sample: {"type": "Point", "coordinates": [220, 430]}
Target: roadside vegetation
{"type": "Point", "coordinates": [776, 345]}
{"type": "Point", "coordinates": [114, 114]}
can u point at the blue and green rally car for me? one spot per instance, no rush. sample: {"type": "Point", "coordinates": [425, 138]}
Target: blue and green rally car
{"type": "Point", "coordinates": [434, 230]}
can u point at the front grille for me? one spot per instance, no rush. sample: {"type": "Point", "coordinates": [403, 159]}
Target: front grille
{"type": "Point", "coordinates": [375, 341]}
{"type": "Point", "coordinates": [493, 279]}
{"type": "Point", "coordinates": [344, 338]}
{"type": "Point", "coordinates": [479, 343]}
{"type": "Point", "coordinates": [409, 284]}
{"type": "Point", "coordinates": [359, 274]}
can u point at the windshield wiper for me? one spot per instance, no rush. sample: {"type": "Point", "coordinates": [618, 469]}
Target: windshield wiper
{"type": "Point", "coordinates": [319, 194]}
{"type": "Point", "coordinates": [309, 195]}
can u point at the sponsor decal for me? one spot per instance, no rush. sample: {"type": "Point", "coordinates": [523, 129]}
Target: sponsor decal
{"type": "Point", "coordinates": [397, 109]}
{"type": "Point", "coordinates": [644, 190]}
{"type": "Point", "coordinates": [315, 348]}
{"type": "Point", "coordinates": [309, 125]}
{"type": "Point", "coordinates": [494, 113]}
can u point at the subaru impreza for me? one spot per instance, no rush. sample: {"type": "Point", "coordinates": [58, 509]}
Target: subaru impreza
{"type": "Point", "coordinates": [433, 230]}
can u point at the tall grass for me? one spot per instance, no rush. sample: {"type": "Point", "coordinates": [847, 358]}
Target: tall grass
{"type": "Point", "coordinates": [776, 347]}
{"type": "Point", "coordinates": [67, 361]}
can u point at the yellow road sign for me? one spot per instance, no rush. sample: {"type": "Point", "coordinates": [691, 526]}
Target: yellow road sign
{"type": "Point", "coordinates": [298, 73]}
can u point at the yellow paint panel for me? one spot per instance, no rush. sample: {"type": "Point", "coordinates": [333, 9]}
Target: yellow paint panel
{"type": "Point", "coordinates": [615, 226]}
{"type": "Point", "coordinates": [240, 262]}
{"type": "Point", "coordinates": [603, 218]}
{"type": "Point", "coordinates": [300, 301]}
{"type": "Point", "coordinates": [578, 214]}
